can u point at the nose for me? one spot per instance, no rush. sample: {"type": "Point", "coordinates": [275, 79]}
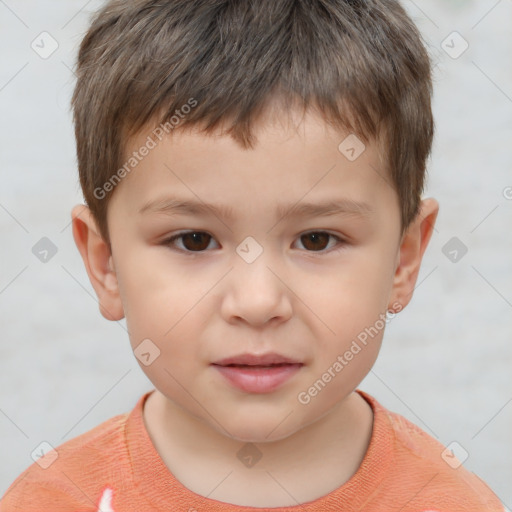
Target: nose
{"type": "Point", "coordinates": [255, 293]}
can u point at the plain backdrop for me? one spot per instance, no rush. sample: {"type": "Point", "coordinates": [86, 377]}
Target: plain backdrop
{"type": "Point", "coordinates": [446, 360]}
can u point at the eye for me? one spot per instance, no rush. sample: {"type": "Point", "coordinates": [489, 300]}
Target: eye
{"type": "Point", "coordinates": [198, 241]}
{"type": "Point", "coordinates": [316, 240]}
{"type": "Point", "coordinates": [193, 241]}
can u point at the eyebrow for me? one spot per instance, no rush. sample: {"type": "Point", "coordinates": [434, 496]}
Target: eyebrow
{"type": "Point", "coordinates": [177, 206]}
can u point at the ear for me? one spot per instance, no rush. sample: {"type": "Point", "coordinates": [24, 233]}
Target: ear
{"type": "Point", "coordinates": [412, 246]}
{"type": "Point", "coordinates": [98, 262]}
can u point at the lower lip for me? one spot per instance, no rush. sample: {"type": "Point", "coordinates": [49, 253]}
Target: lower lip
{"type": "Point", "coordinates": [258, 380]}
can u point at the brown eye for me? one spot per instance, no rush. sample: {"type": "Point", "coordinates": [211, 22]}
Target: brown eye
{"type": "Point", "coordinates": [317, 241]}
{"type": "Point", "coordinates": [196, 241]}
{"type": "Point", "coordinates": [193, 241]}
{"type": "Point", "coordinates": [199, 241]}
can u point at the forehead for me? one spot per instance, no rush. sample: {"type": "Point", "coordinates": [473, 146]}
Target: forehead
{"type": "Point", "coordinates": [294, 159]}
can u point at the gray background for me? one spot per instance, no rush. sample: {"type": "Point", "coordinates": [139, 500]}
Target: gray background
{"type": "Point", "coordinates": [446, 359]}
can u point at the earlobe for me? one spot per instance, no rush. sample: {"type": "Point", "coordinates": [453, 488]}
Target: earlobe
{"type": "Point", "coordinates": [412, 247]}
{"type": "Point", "coordinates": [98, 262]}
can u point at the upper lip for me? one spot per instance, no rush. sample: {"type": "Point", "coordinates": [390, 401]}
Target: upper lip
{"type": "Point", "coordinates": [256, 360]}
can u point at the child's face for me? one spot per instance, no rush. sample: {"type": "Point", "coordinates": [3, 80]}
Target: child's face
{"type": "Point", "coordinates": [254, 283]}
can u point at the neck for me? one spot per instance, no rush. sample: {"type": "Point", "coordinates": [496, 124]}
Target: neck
{"type": "Point", "coordinates": [302, 467]}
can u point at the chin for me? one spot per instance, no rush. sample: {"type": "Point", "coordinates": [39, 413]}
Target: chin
{"type": "Point", "coordinates": [258, 432]}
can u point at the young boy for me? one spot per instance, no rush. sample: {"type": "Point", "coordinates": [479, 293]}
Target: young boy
{"type": "Point", "coordinates": [253, 175]}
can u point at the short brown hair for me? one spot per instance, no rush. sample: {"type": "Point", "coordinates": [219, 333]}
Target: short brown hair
{"type": "Point", "coordinates": [361, 63]}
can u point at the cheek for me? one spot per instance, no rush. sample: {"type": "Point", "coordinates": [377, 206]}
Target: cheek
{"type": "Point", "coordinates": [371, 280]}
{"type": "Point", "coordinates": [351, 307]}
{"type": "Point", "coordinates": [351, 296]}
{"type": "Point", "coordinates": [176, 337]}
{"type": "Point", "coordinates": [156, 299]}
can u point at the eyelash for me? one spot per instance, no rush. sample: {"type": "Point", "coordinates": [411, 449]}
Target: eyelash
{"type": "Point", "coordinates": [169, 242]}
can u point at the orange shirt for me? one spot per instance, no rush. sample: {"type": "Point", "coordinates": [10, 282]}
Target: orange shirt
{"type": "Point", "coordinates": [115, 468]}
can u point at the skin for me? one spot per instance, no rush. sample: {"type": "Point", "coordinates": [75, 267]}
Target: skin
{"type": "Point", "coordinates": [300, 298]}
